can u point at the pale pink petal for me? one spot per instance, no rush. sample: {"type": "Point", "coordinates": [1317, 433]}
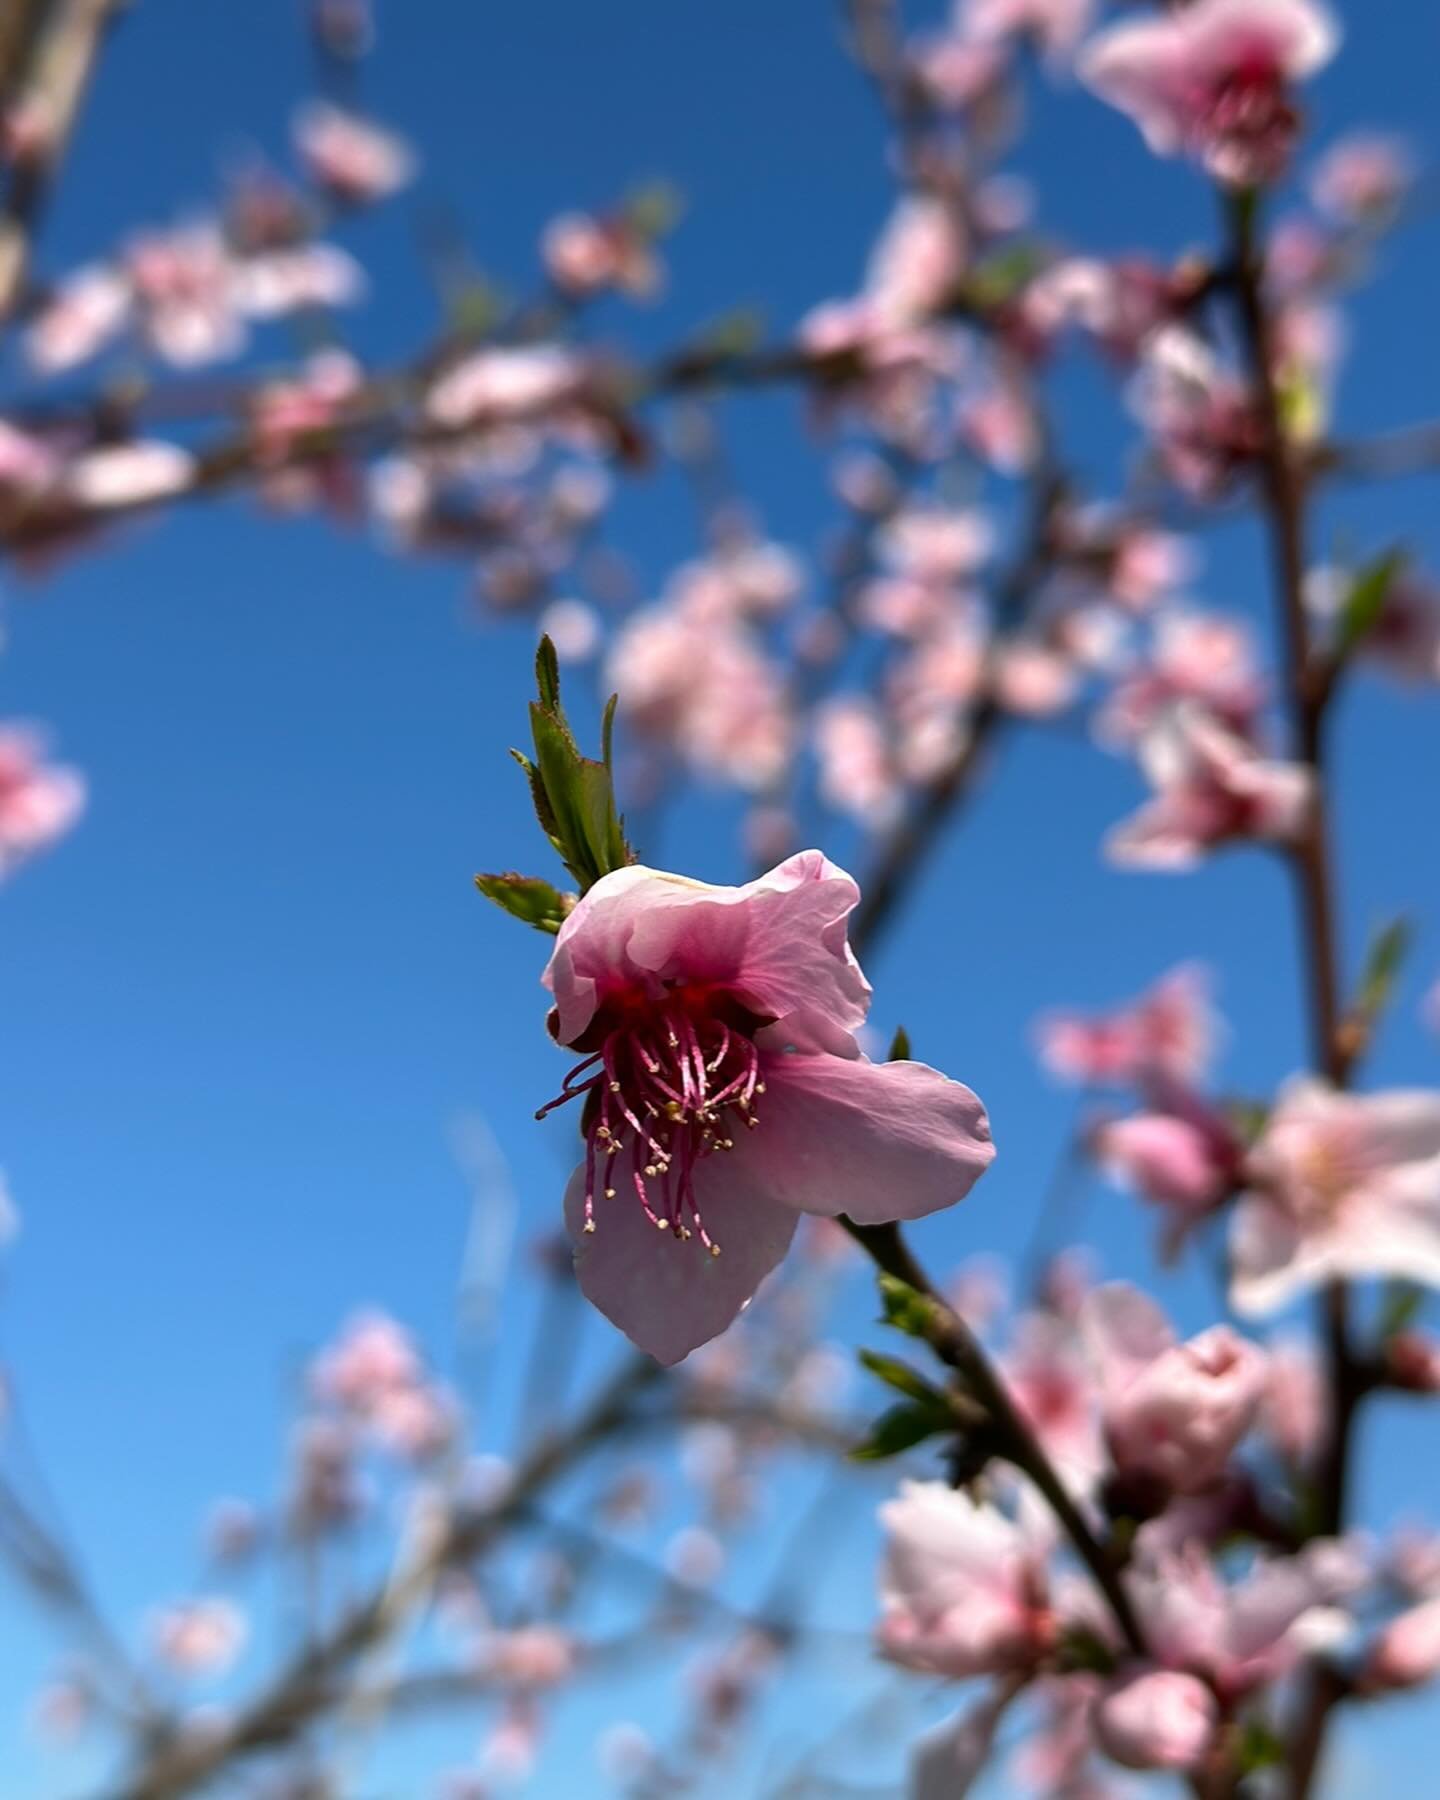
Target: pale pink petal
{"type": "Point", "coordinates": [876, 1141]}
{"type": "Point", "coordinates": [667, 1296]}
{"type": "Point", "coordinates": [777, 943]}
{"type": "Point", "coordinates": [946, 1762]}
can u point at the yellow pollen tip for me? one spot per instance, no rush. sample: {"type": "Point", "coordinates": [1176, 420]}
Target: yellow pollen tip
{"type": "Point", "coordinates": [609, 1195]}
{"type": "Point", "coordinates": [714, 1249]}
{"type": "Point", "coordinates": [590, 1228]}
{"type": "Point", "coordinates": [663, 1224]}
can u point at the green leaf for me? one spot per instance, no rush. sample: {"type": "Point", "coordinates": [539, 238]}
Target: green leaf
{"type": "Point", "coordinates": [1260, 1747]}
{"type": "Point", "coordinates": [573, 796]}
{"type": "Point", "coordinates": [900, 1376]}
{"type": "Point", "coordinates": [654, 208]}
{"type": "Point", "coordinates": [1402, 1303]}
{"type": "Point", "coordinates": [540, 800]}
{"type": "Point", "coordinates": [1361, 609]}
{"type": "Point", "coordinates": [528, 898]}
{"type": "Point", "coordinates": [547, 674]}
{"type": "Point", "coordinates": [901, 1428]}
{"type": "Point", "coordinates": [1080, 1648]}
{"type": "Point", "coordinates": [906, 1308]}
{"type": "Point", "coordinates": [1382, 965]}
{"type": "Point", "coordinates": [899, 1046]}
{"type": "Point", "coordinates": [1001, 276]}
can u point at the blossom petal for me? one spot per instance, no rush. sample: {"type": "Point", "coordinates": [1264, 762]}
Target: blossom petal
{"type": "Point", "coordinates": [669, 1297]}
{"type": "Point", "coordinates": [877, 1141]}
{"type": "Point", "coordinates": [778, 943]}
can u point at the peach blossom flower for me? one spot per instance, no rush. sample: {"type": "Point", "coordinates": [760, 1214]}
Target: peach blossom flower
{"type": "Point", "coordinates": [352, 158]}
{"type": "Point", "coordinates": [1157, 1719]}
{"type": "Point", "coordinates": [1339, 1185]}
{"type": "Point", "coordinates": [1167, 1034]}
{"type": "Point", "coordinates": [963, 1588]}
{"type": "Point", "coordinates": [39, 801]}
{"type": "Point", "coordinates": [1213, 80]}
{"type": "Point", "coordinates": [723, 1093]}
{"type": "Point", "coordinates": [1172, 1412]}
{"type": "Point", "coordinates": [1213, 788]}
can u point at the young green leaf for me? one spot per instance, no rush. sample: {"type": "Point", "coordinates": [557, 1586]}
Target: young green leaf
{"type": "Point", "coordinates": [1363, 605]}
{"type": "Point", "coordinates": [901, 1428]}
{"type": "Point", "coordinates": [527, 898]}
{"type": "Point", "coordinates": [900, 1376]}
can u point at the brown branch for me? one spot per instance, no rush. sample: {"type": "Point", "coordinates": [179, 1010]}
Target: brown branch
{"type": "Point", "coordinates": [306, 1687]}
{"type": "Point", "coordinates": [957, 1347]}
{"type": "Point", "coordinates": [909, 846]}
{"type": "Point", "coordinates": [1284, 488]}
{"type": "Point", "coordinates": [57, 73]}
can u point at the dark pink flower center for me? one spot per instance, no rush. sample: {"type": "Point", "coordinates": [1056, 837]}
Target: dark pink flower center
{"type": "Point", "coordinates": [672, 1079]}
{"type": "Point", "coordinates": [1249, 110]}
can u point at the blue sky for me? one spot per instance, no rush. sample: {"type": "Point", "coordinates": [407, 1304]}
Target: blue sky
{"type": "Point", "coordinates": [251, 1003]}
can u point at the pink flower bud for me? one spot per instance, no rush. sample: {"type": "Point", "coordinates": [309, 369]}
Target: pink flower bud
{"type": "Point", "coordinates": [1407, 1652]}
{"type": "Point", "coordinates": [1158, 1720]}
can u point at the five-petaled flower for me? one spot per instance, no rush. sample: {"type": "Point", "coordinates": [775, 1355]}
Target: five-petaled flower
{"type": "Point", "coordinates": [1214, 80]}
{"type": "Point", "coordinates": [1340, 1185]}
{"type": "Point", "coordinates": [723, 1093]}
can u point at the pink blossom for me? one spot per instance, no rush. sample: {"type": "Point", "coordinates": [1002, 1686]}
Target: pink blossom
{"type": "Point", "coordinates": [998, 423]}
{"type": "Point", "coordinates": [287, 412]}
{"type": "Point", "coordinates": [918, 262]}
{"type": "Point", "coordinates": [296, 278]}
{"type": "Point", "coordinates": [1212, 788]}
{"type": "Point", "coordinates": [1198, 410]}
{"type": "Point", "coordinates": [1172, 1412]}
{"type": "Point", "coordinates": [198, 1637]}
{"type": "Point", "coordinates": [857, 772]}
{"type": "Point", "coordinates": [1120, 303]}
{"type": "Point", "coordinates": [39, 801]}
{"type": "Point", "coordinates": [946, 1762]}
{"type": "Point", "coordinates": [723, 1092]}
{"type": "Point", "coordinates": [1194, 656]}
{"type": "Point", "coordinates": [936, 543]}
{"type": "Point", "coordinates": [1157, 1719]}
{"type": "Point", "coordinates": [183, 286]}
{"type": "Point", "coordinates": [531, 1656]}
{"type": "Point", "coordinates": [1054, 1758]}
{"type": "Point", "coordinates": [1053, 1389]}
{"type": "Point", "coordinates": [1363, 179]}
{"type": "Point", "coordinates": [1056, 25]}
{"type": "Point", "coordinates": [84, 312]}
{"type": "Point", "coordinates": [1213, 80]}
{"type": "Point", "coordinates": [584, 255]}
{"type": "Point", "coordinates": [962, 1586]}
{"type": "Point", "coordinates": [1168, 1033]}
{"type": "Point", "coordinates": [28, 464]}
{"type": "Point", "coordinates": [1341, 1185]}
{"type": "Point", "coordinates": [958, 72]}
{"type": "Point", "coordinates": [352, 158]}
{"type": "Point", "coordinates": [372, 1357]}
{"type": "Point", "coordinates": [1185, 1164]}
{"type": "Point", "coordinates": [705, 689]}
{"type": "Point", "coordinates": [498, 385]}
{"type": "Point", "coordinates": [125, 475]}
{"type": "Point", "coordinates": [1032, 679]}
{"type": "Point", "coordinates": [1407, 1652]}
{"type": "Point", "coordinates": [1294, 1408]}
{"type": "Point", "coordinates": [1242, 1635]}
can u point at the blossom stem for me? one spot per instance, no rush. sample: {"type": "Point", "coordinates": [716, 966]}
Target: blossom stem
{"type": "Point", "coordinates": [958, 1348]}
{"type": "Point", "coordinates": [1283, 484]}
